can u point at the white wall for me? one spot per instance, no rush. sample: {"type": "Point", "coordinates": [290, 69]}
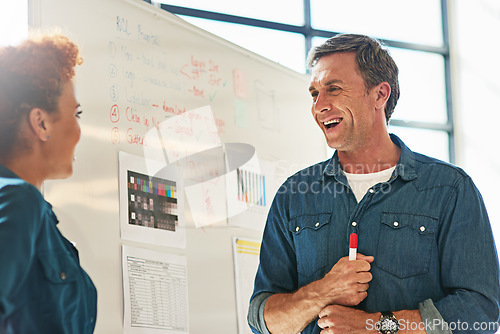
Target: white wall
{"type": "Point", "coordinates": [13, 22]}
{"type": "Point", "coordinates": [475, 32]}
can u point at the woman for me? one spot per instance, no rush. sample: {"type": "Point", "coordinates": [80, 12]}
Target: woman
{"type": "Point", "coordinates": [43, 289]}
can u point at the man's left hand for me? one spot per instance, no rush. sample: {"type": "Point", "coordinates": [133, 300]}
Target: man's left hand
{"type": "Point", "coordinates": [336, 319]}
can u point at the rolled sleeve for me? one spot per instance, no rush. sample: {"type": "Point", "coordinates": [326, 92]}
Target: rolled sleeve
{"type": "Point", "coordinates": [432, 319]}
{"type": "Point", "coordinates": [256, 313]}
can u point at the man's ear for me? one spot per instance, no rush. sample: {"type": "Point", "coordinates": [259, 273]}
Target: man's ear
{"type": "Point", "coordinates": [383, 91]}
{"type": "Point", "coordinates": [38, 120]}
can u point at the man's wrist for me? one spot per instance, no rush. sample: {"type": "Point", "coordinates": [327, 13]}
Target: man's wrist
{"type": "Point", "coordinates": [388, 323]}
{"type": "Point", "coordinates": [317, 292]}
{"type": "Point", "coordinates": [372, 322]}
{"type": "Point", "coordinates": [410, 321]}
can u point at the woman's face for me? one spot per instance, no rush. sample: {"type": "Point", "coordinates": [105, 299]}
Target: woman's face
{"type": "Point", "coordinates": [64, 134]}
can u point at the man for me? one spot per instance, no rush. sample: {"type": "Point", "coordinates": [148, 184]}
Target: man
{"type": "Point", "coordinates": [426, 257]}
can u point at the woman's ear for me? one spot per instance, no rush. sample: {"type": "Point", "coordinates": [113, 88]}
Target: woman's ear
{"type": "Point", "coordinates": [38, 120]}
{"type": "Point", "coordinates": [383, 90]}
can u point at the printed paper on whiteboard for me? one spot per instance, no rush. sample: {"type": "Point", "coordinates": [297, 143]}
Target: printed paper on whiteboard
{"type": "Point", "coordinates": [250, 191]}
{"type": "Point", "coordinates": [155, 292]}
{"type": "Point", "coordinates": [246, 261]}
{"type": "Point", "coordinates": [151, 205]}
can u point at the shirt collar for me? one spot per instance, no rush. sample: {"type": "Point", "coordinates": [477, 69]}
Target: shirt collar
{"type": "Point", "coordinates": [7, 173]}
{"type": "Point", "coordinates": [406, 167]}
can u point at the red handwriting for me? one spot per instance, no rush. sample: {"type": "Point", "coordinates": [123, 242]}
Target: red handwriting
{"type": "Point", "coordinates": [209, 209]}
{"type": "Point", "coordinates": [115, 135]}
{"type": "Point", "coordinates": [184, 130]}
{"type": "Point", "coordinates": [134, 138]}
{"type": "Point", "coordinates": [150, 122]}
{"type": "Point", "coordinates": [203, 72]}
{"type": "Point", "coordinates": [196, 68]}
{"type": "Point", "coordinates": [155, 122]}
{"type": "Point", "coordinates": [214, 80]}
{"type": "Point", "coordinates": [213, 67]}
{"type": "Point", "coordinates": [176, 110]}
{"type": "Point", "coordinates": [132, 116]}
{"type": "Point", "coordinates": [220, 125]}
{"type": "Point", "coordinates": [185, 72]}
{"type": "Point", "coordinates": [114, 114]}
{"type": "Point", "coordinates": [197, 92]}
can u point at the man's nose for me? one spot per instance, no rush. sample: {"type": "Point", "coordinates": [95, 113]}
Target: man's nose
{"type": "Point", "coordinates": [321, 104]}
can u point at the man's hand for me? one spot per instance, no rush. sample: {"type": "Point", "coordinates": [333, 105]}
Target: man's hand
{"type": "Point", "coordinates": [346, 283]}
{"type": "Point", "coordinates": [336, 319]}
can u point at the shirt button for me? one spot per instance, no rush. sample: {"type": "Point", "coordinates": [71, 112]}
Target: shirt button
{"type": "Point", "coordinates": [371, 191]}
{"type": "Point", "coordinates": [422, 228]}
{"type": "Point", "coordinates": [62, 274]}
{"type": "Point", "coordinates": [317, 224]}
{"type": "Point", "coordinates": [297, 229]}
{"type": "Point", "coordinates": [354, 224]}
{"type": "Point", "coordinates": [396, 224]}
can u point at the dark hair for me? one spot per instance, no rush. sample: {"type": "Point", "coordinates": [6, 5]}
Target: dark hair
{"type": "Point", "coordinates": [32, 75]}
{"type": "Point", "coordinates": [374, 62]}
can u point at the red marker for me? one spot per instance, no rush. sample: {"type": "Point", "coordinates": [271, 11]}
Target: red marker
{"type": "Point", "coordinates": [353, 246]}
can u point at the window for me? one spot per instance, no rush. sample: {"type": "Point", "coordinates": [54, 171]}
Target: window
{"type": "Point", "coordinates": [417, 22]}
{"type": "Point", "coordinates": [416, 34]}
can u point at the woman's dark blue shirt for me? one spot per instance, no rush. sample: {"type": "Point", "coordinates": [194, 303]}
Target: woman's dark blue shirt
{"type": "Point", "coordinates": [43, 288]}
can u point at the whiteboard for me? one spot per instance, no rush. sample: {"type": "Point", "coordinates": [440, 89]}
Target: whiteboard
{"type": "Point", "coordinates": [143, 66]}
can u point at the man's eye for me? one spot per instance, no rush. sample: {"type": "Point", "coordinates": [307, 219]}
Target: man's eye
{"type": "Point", "coordinates": [334, 89]}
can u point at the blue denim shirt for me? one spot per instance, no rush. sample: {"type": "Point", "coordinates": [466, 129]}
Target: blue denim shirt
{"type": "Point", "coordinates": [427, 228]}
{"type": "Point", "coordinates": [43, 289]}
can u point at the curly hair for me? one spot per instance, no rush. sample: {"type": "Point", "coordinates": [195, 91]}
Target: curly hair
{"type": "Point", "coordinates": [32, 75]}
{"type": "Point", "coordinates": [374, 62]}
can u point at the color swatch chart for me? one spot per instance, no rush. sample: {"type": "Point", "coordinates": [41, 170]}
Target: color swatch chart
{"type": "Point", "coordinates": [158, 294]}
{"type": "Point", "coordinates": [251, 187]}
{"type": "Point", "coordinates": [152, 201]}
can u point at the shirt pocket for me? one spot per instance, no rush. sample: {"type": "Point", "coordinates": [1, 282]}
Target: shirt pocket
{"type": "Point", "coordinates": [58, 267]}
{"type": "Point", "coordinates": [405, 244]}
{"type": "Point", "coordinates": [311, 241]}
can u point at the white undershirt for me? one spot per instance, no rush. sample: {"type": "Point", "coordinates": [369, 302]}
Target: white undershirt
{"type": "Point", "coordinates": [360, 183]}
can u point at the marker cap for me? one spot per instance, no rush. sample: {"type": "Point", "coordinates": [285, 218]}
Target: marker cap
{"type": "Point", "coordinates": [353, 241]}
